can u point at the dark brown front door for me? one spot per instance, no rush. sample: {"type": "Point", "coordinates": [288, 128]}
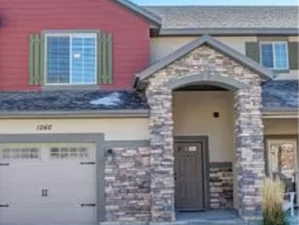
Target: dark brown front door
{"type": "Point", "coordinates": [189, 175]}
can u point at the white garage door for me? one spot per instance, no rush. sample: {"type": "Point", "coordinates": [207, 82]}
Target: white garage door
{"type": "Point", "coordinates": [47, 184]}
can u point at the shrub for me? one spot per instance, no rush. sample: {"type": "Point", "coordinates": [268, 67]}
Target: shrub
{"type": "Point", "coordinates": [272, 203]}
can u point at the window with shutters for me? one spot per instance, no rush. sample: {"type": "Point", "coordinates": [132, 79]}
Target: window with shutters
{"type": "Point", "coordinates": [71, 58]}
{"type": "Point", "coordinates": [274, 55]}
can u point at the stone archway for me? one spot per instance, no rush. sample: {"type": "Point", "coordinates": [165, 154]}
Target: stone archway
{"type": "Point", "coordinates": [205, 78]}
{"type": "Point", "coordinates": [207, 65]}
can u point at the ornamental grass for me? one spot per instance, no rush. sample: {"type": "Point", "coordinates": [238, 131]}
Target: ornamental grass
{"type": "Point", "coordinates": [272, 203]}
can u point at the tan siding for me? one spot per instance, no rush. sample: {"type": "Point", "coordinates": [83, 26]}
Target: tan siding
{"type": "Point", "coordinates": [114, 129]}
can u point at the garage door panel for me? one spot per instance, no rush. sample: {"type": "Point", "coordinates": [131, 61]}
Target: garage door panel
{"type": "Point", "coordinates": [55, 168]}
{"type": "Point", "coordinates": [25, 216]}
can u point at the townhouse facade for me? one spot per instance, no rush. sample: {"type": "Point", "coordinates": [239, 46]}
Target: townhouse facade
{"type": "Point", "coordinates": [115, 113]}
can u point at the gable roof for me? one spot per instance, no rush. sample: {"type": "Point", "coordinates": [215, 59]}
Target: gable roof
{"type": "Point", "coordinates": [205, 40]}
{"type": "Point", "coordinates": [195, 20]}
{"type": "Point", "coordinates": [141, 11]}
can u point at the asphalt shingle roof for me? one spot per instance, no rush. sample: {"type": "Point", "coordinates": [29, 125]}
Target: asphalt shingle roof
{"type": "Point", "coordinates": [87, 100]}
{"type": "Point", "coordinates": [280, 95]}
{"type": "Point", "coordinates": [186, 17]}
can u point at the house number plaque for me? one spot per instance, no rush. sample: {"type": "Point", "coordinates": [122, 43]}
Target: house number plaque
{"type": "Point", "coordinates": [44, 127]}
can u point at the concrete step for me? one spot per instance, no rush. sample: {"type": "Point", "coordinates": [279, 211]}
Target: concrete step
{"type": "Point", "coordinates": [208, 222]}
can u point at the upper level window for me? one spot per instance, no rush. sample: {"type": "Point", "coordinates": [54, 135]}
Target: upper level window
{"type": "Point", "coordinates": [274, 55]}
{"type": "Point", "coordinates": [71, 58]}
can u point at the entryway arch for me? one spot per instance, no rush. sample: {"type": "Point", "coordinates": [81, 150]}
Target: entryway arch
{"type": "Point", "coordinates": [248, 150]}
{"type": "Point", "coordinates": [206, 61]}
{"type": "Point", "coordinates": [204, 177]}
{"type": "Point", "coordinates": [204, 78]}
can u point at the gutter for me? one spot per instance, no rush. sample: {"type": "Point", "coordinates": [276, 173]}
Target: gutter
{"type": "Point", "coordinates": [291, 114]}
{"type": "Point", "coordinates": [138, 113]}
{"type": "Point", "coordinates": [227, 31]}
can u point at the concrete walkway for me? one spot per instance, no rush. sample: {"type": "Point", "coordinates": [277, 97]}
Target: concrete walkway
{"type": "Point", "coordinates": [218, 217]}
{"type": "Point", "coordinates": [295, 220]}
{"type": "Point", "coordinates": [211, 217]}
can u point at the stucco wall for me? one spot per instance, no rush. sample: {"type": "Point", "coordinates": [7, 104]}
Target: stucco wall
{"type": "Point", "coordinates": [193, 116]}
{"type": "Point", "coordinates": [281, 126]}
{"type": "Point", "coordinates": [114, 129]}
{"type": "Point", "coordinates": [189, 120]}
{"type": "Point", "coordinates": [163, 46]}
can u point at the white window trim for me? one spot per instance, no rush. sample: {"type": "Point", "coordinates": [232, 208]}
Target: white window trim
{"type": "Point", "coordinates": [274, 55]}
{"type": "Point", "coordinates": [71, 35]}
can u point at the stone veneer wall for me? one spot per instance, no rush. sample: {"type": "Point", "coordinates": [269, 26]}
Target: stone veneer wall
{"type": "Point", "coordinates": [206, 62]}
{"type": "Point", "coordinates": [221, 182]}
{"type": "Point", "coordinates": [127, 185]}
{"type": "Point", "coordinates": [250, 156]}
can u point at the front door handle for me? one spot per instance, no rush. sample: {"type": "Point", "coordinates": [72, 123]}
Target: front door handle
{"type": "Point", "coordinates": [44, 192]}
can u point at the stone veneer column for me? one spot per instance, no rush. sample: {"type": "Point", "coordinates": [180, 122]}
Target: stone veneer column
{"type": "Point", "coordinates": [250, 161]}
{"type": "Point", "coordinates": [162, 157]}
{"type": "Point", "coordinates": [127, 185]}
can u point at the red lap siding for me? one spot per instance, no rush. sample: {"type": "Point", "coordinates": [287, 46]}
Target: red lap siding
{"type": "Point", "coordinates": [19, 18]}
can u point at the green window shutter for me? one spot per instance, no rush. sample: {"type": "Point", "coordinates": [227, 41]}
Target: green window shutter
{"type": "Point", "coordinates": [105, 55]}
{"type": "Point", "coordinates": [294, 55]}
{"type": "Point", "coordinates": [253, 51]}
{"type": "Point", "coordinates": [36, 59]}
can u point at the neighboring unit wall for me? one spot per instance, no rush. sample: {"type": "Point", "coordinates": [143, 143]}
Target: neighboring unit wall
{"type": "Point", "coordinates": [21, 18]}
{"type": "Point", "coordinates": [281, 126]}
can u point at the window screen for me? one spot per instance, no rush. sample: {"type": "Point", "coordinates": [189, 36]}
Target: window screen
{"type": "Point", "coordinates": [274, 55]}
{"type": "Point", "coordinates": [58, 60]}
{"type": "Point", "coordinates": [71, 58]}
{"type": "Point", "coordinates": [281, 57]}
{"type": "Point", "coordinates": [267, 55]}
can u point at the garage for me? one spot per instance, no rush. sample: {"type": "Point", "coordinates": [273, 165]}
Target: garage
{"type": "Point", "coordinates": [48, 183]}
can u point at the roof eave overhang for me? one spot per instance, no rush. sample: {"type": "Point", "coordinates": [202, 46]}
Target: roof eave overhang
{"type": "Point", "coordinates": [138, 113]}
{"type": "Point", "coordinates": [267, 114]}
{"type": "Point", "coordinates": [281, 113]}
{"type": "Point", "coordinates": [228, 31]}
{"type": "Point", "coordinates": [155, 20]}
